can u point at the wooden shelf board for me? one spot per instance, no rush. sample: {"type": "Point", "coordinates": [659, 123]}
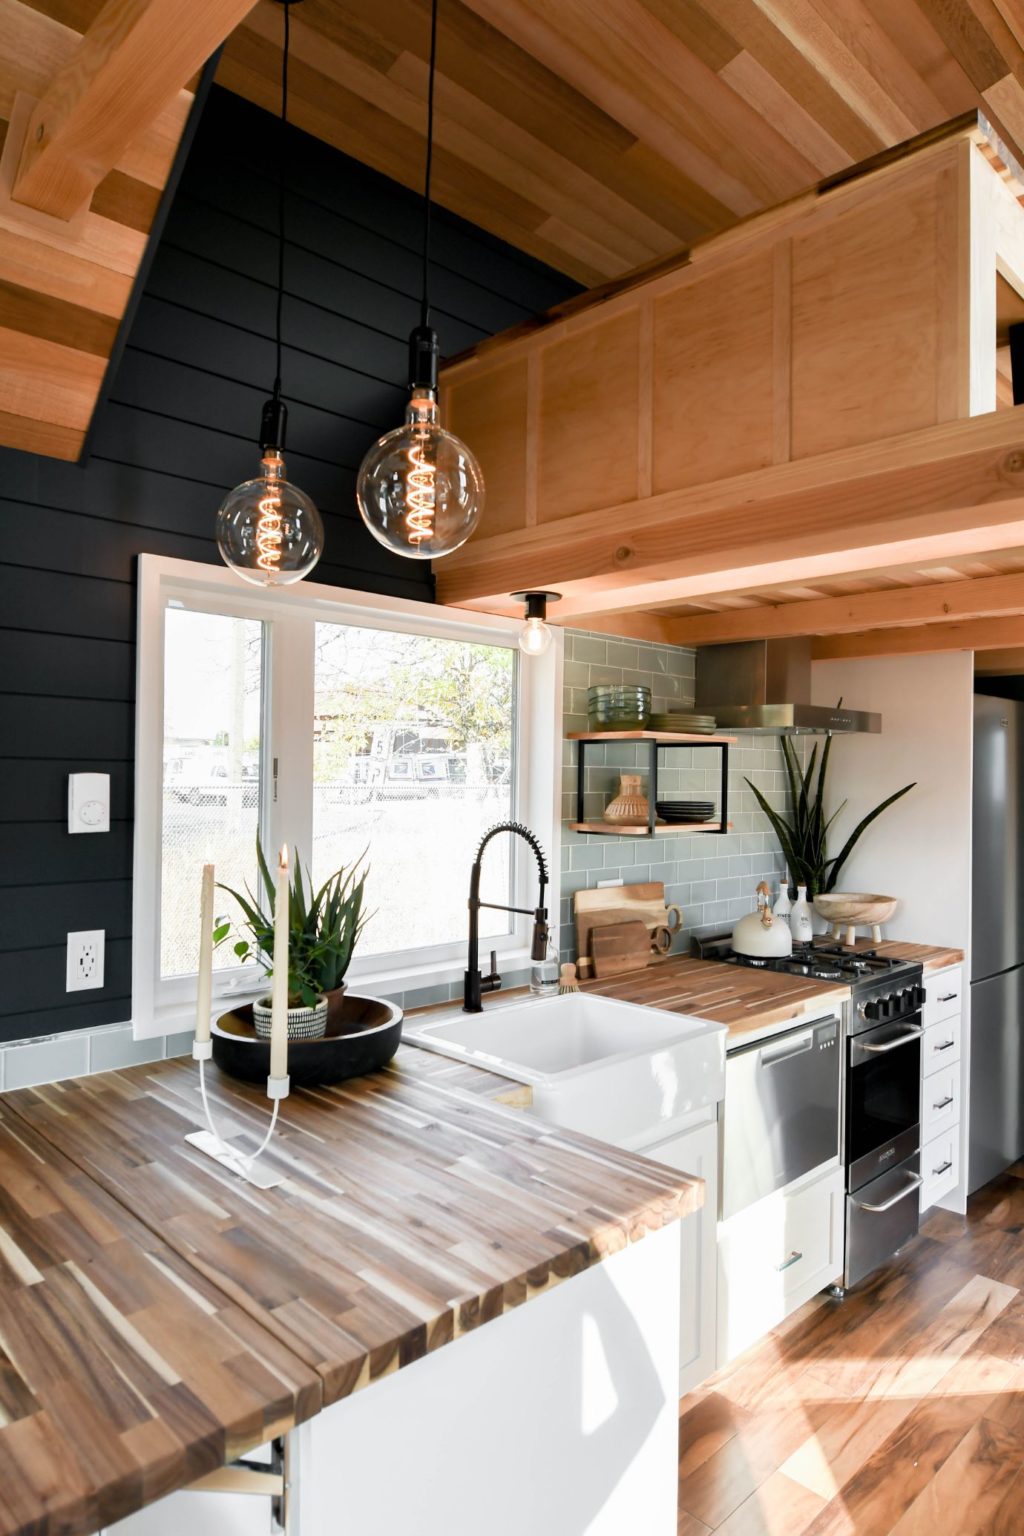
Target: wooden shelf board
{"type": "Point", "coordinates": [668, 737]}
{"type": "Point", "coordinates": [609, 829]}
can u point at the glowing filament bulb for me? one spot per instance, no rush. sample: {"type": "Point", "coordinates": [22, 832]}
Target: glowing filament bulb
{"type": "Point", "coordinates": [268, 531]}
{"type": "Point", "coordinates": [421, 495]}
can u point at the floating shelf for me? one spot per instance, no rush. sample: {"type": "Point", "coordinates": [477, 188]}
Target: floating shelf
{"type": "Point", "coordinates": [667, 738]}
{"type": "Point", "coordinates": [652, 742]}
{"type": "Point", "coordinates": [663, 829]}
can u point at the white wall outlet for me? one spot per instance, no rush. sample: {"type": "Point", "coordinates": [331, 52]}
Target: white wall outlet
{"type": "Point", "coordinates": [88, 802]}
{"type": "Point", "coordinates": [85, 959]}
{"type": "Point", "coordinates": [601, 884]}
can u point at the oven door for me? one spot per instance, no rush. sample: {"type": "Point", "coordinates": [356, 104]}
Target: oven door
{"type": "Point", "coordinates": [883, 1099]}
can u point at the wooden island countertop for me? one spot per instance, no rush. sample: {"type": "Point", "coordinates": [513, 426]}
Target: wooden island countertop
{"type": "Point", "coordinates": [158, 1316]}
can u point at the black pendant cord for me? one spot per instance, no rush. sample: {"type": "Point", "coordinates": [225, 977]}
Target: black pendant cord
{"type": "Point", "coordinates": [282, 167]}
{"type": "Point", "coordinates": [425, 299]}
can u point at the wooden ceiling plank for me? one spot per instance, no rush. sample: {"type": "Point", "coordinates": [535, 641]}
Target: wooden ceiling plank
{"type": "Point", "coordinates": [860, 33]}
{"type": "Point", "coordinates": [919, 43]}
{"type": "Point", "coordinates": [31, 264]}
{"type": "Point", "coordinates": [43, 437]}
{"type": "Point", "coordinates": [46, 381]}
{"type": "Point", "coordinates": [985, 597]}
{"type": "Point", "coordinates": [797, 74]}
{"type": "Point", "coordinates": [39, 314]}
{"type": "Point", "coordinates": [130, 65]}
{"type": "Point", "coordinates": [974, 635]}
{"type": "Point", "coordinates": [697, 27]}
{"type": "Point", "coordinates": [748, 77]}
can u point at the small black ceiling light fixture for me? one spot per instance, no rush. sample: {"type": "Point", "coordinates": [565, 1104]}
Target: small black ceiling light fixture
{"type": "Point", "coordinates": [419, 489]}
{"type": "Point", "coordinates": [269, 531]}
{"type": "Point", "coordinates": [535, 636]}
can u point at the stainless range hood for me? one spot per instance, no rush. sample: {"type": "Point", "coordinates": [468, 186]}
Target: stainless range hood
{"type": "Point", "coordinates": [764, 686]}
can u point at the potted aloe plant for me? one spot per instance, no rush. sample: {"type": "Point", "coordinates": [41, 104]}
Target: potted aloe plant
{"type": "Point", "coordinates": [323, 928]}
{"type": "Point", "coordinates": [803, 835]}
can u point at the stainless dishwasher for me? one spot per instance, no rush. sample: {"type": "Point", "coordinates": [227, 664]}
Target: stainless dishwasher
{"type": "Point", "coordinates": [782, 1111]}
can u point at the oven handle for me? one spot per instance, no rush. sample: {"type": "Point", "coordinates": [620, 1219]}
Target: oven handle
{"type": "Point", "coordinates": [913, 1033]}
{"type": "Point", "coordinates": [886, 1205]}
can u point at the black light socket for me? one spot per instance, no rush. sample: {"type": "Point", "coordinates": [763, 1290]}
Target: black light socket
{"type": "Point", "coordinates": [536, 602]}
{"type": "Point", "coordinates": [424, 358]}
{"type": "Point", "coordinates": [273, 424]}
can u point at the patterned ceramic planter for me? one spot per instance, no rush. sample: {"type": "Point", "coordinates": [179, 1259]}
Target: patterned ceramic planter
{"type": "Point", "coordinates": [303, 1023]}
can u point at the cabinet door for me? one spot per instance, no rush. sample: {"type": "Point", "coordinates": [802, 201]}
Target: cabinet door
{"type": "Point", "coordinates": [198, 1514]}
{"type": "Point", "coordinates": [696, 1152]}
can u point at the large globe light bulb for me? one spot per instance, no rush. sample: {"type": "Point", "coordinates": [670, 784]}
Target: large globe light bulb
{"type": "Point", "coordinates": [269, 531]}
{"type": "Point", "coordinates": [420, 490]}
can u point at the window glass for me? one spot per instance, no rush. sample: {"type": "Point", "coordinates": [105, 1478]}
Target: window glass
{"type": "Point", "coordinates": [413, 761]}
{"type": "Point", "coordinates": [213, 666]}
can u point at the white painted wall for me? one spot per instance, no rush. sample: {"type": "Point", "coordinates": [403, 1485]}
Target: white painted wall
{"type": "Point", "coordinates": [920, 848]}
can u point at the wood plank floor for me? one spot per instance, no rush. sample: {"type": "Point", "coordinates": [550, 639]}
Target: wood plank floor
{"type": "Point", "coordinates": [900, 1409]}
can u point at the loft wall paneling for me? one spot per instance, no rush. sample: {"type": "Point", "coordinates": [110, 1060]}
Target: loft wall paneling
{"type": "Point", "coordinates": [175, 432]}
{"type": "Point", "coordinates": [779, 360]}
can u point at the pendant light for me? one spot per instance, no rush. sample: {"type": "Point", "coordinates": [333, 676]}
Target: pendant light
{"type": "Point", "coordinates": [269, 531]}
{"type": "Point", "coordinates": [420, 490]}
{"type": "Point", "coordinates": [535, 637]}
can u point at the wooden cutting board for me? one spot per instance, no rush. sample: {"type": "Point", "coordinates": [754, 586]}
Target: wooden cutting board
{"type": "Point", "coordinates": [619, 947]}
{"type": "Point", "coordinates": [619, 904]}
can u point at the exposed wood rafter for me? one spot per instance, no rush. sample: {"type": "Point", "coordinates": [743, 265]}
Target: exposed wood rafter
{"type": "Point", "coordinates": [131, 63]}
{"type": "Point", "coordinates": [976, 635]}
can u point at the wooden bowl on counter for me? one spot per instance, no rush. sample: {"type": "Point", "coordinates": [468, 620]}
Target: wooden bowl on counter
{"type": "Point", "coordinates": [845, 909]}
{"type": "Point", "coordinates": [363, 1033]}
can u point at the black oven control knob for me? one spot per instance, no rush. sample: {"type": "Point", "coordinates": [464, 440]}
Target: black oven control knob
{"type": "Point", "coordinates": [873, 1009]}
{"type": "Point", "coordinates": [919, 996]}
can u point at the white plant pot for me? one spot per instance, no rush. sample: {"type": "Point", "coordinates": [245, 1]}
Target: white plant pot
{"type": "Point", "coordinates": [303, 1023]}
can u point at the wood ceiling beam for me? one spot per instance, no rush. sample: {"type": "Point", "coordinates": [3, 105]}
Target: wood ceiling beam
{"type": "Point", "coordinates": [956, 488]}
{"type": "Point", "coordinates": [975, 635]}
{"type": "Point", "coordinates": [933, 603]}
{"type": "Point", "coordinates": [129, 67]}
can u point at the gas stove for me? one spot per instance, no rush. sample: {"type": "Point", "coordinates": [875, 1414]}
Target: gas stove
{"type": "Point", "coordinates": [883, 989]}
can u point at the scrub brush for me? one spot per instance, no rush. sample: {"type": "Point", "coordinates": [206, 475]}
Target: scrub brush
{"type": "Point", "coordinates": [567, 979]}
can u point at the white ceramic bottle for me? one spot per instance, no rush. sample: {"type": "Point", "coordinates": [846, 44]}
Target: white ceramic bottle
{"type": "Point", "coordinates": [800, 923]}
{"type": "Point", "coordinates": [783, 907]}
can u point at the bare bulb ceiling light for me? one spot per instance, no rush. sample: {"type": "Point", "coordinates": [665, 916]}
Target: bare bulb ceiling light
{"type": "Point", "coordinates": [269, 531]}
{"type": "Point", "coordinates": [419, 489]}
{"type": "Point", "coordinates": [535, 636]}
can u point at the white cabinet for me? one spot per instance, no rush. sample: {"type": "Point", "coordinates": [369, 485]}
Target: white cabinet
{"type": "Point", "coordinates": [200, 1514]}
{"type": "Point", "coordinates": [777, 1254]}
{"type": "Point", "coordinates": [696, 1152]}
{"type": "Point", "coordinates": [941, 1084]}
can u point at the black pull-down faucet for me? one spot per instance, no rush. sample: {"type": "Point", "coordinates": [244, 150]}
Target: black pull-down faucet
{"type": "Point", "coordinates": [475, 984]}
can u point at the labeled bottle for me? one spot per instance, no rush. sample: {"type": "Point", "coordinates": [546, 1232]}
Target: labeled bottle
{"type": "Point", "coordinates": [545, 974]}
{"type": "Point", "coordinates": [800, 922]}
{"type": "Point", "coordinates": [783, 907]}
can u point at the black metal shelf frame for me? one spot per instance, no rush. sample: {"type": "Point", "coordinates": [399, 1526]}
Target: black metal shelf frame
{"type": "Point", "coordinates": [652, 787]}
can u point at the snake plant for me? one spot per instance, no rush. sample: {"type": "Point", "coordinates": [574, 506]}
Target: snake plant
{"type": "Point", "coordinates": [323, 927]}
{"type": "Point", "coordinates": [803, 837]}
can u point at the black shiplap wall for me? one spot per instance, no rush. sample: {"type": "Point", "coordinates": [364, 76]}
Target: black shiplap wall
{"type": "Point", "coordinates": [174, 434]}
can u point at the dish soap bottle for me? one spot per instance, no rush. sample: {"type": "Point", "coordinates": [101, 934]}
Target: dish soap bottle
{"type": "Point", "coordinates": [544, 974]}
{"type": "Point", "coordinates": [800, 923]}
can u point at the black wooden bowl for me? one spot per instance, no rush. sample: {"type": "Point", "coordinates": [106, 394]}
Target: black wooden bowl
{"type": "Point", "coordinates": [363, 1034]}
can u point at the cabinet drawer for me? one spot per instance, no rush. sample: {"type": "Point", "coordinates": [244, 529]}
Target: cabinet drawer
{"type": "Point", "coordinates": [773, 1256]}
{"type": "Point", "coordinates": [940, 1101]}
{"type": "Point", "coordinates": [945, 995]}
{"type": "Point", "coordinates": [941, 1045]}
{"type": "Point", "coordinates": [940, 1166]}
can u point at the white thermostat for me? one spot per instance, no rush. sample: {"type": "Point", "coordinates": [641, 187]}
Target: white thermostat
{"type": "Point", "coordinates": [89, 802]}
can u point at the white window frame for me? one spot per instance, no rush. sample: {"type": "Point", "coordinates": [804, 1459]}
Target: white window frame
{"type": "Point", "coordinates": [164, 1005]}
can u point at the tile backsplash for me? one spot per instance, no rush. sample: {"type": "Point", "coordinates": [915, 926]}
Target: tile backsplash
{"type": "Point", "coordinates": [712, 877]}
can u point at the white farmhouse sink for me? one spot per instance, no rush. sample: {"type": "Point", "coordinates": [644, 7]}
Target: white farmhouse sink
{"type": "Point", "coordinates": [614, 1070]}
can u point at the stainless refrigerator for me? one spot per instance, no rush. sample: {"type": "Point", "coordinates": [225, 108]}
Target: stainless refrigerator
{"type": "Point", "coordinates": [997, 941]}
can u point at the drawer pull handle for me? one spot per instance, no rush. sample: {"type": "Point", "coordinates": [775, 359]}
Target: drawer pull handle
{"type": "Point", "coordinates": [942, 1168]}
{"type": "Point", "coordinates": [943, 1102]}
{"type": "Point", "coordinates": [886, 1205]}
{"type": "Point", "coordinates": [947, 1046]}
{"type": "Point", "coordinates": [947, 997]}
{"type": "Point", "coordinates": [794, 1258]}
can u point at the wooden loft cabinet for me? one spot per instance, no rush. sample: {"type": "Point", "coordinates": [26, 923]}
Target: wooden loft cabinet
{"type": "Point", "coordinates": [773, 359]}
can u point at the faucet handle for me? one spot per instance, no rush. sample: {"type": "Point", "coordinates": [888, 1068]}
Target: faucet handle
{"type": "Point", "coordinates": [494, 965]}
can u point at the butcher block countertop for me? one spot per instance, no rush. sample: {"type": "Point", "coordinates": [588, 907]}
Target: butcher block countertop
{"type": "Point", "coordinates": [158, 1316]}
{"type": "Point", "coordinates": [747, 1000]}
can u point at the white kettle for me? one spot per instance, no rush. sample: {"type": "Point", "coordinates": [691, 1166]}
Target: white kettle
{"type": "Point", "coordinates": [760, 934]}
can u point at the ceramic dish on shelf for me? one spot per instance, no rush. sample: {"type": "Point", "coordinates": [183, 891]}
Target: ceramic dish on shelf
{"type": "Point", "coordinates": [681, 723]}
{"type": "Point", "coordinates": [618, 707]}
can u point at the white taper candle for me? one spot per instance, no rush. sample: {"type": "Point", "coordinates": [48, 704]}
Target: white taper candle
{"type": "Point", "coordinates": [279, 991]}
{"type": "Point", "coordinates": [204, 986]}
